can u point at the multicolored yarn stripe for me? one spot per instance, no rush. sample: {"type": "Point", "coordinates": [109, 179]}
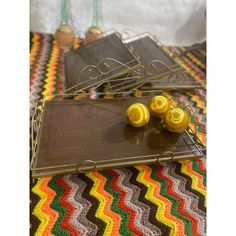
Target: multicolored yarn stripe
{"type": "Point", "coordinates": [163, 199]}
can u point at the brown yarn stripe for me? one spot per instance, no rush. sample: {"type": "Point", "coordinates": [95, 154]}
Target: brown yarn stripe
{"type": "Point", "coordinates": [153, 208]}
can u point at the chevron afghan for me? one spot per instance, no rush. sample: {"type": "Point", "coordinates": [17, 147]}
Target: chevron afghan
{"type": "Point", "coordinates": [164, 199]}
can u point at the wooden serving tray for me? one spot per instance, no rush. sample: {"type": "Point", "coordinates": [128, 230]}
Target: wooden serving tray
{"type": "Point", "coordinates": [77, 136]}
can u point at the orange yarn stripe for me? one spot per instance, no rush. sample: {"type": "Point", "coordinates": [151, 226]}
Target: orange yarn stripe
{"type": "Point", "coordinates": [201, 104]}
{"type": "Point", "coordinates": [179, 224]}
{"type": "Point", "coordinates": [202, 138]}
{"type": "Point", "coordinates": [109, 198]}
{"type": "Point", "coordinates": [191, 71]}
{"type": "Point", "coordinates": [203, 52]}
{"type": "Point", "coordinates": [51, 71]}
{"type": "Point", "coordinates": [53, 215]}
{"type": "Point", "coordinates": [199, 177]}
{"type": "Point", "coordinates": [202, 65]}
{"type": "Point", "coordinates": [34, 49]}
{"type": "Point", "coordinates": [44, 219]}
{"type": "Point", "coordinates": [187, 169]}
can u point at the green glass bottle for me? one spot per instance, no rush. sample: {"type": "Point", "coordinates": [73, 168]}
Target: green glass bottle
{"type": "Point", "coordinates": [64, 35]}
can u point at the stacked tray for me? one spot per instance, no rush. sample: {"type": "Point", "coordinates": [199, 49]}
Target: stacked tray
{"type": "Point", "coordinates": [97, 62]}
{"type": "Point", "coordinates": [158, 69]}
{"type": "Point", "coordinates": [123, 65]}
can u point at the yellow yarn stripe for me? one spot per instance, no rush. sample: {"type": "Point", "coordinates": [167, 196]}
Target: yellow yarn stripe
{"type": "Point", "coordinates": [44, 218]}
{"type": "Point", "coordinates": [202, 138]}
{"type": "Point", "coordinates": [195, 180]}
{"type": "Point", "coordinates": [203, 52]}
{"type": "Point", "coordinates": [160, 215]}
{"type": "Point", "coordinates": [102, 203]}
{"type": "Point", "coordinates": [201, 104]}
{"type": "Point", "coordinates": [191, 71]}
{"type": "Point", "coordinates": [198, 62]}
{"type": "Point", "coordinates": [50, 75]}
{"type": "Point", "coordinates": [34, 48]}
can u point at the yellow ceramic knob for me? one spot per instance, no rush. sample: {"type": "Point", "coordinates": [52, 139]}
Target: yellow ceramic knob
{"type": "Point", "coordinates": [138, 115]}
{"type": "Point", "coordinates": [159, 106]}
{"type": "Point", "coordinates": [176, 120]}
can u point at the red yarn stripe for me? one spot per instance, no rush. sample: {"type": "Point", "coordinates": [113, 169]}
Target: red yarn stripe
{"type": "Point", "coordinates": [109, 198]}
{"type": "Point", "coordinates": [201, 166]}
{"type": "Point", "coordinates": [69, 208]}
{"type": "Point", "coordinates": [180, 209]}
{"type": "Point", "coordinates": [122, 204]}
{"type": "Point", "coordinates": [38, 59]}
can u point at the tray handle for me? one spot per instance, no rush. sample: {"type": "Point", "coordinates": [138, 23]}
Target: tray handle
{"type": "Point", "coordinates": [93, 163]}
{"type": "Point", "coordinates": [162, 159]}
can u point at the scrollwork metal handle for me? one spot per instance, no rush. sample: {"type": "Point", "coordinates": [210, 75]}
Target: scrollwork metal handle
{"type": "Point", "coordinates": [154, 65]}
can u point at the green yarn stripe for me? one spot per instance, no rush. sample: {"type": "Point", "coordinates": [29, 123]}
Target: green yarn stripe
{"type": "Point", "coordinates": [175, 202]}
{"type": "Point", "coordinates": [195, 168]}
{"type": "Point", "coordinates": [55, 205]}
{"type": "Point", "coordinates": [114, 206]}
{"type": "Point", "coordinates": [41, 40]}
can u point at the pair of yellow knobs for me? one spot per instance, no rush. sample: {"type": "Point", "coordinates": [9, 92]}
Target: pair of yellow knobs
{"type": "Point", "coordinates": [175, 120]}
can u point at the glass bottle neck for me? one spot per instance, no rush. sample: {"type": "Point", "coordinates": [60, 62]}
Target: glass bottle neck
{"type": "Point", "coordinates": [64, 19]}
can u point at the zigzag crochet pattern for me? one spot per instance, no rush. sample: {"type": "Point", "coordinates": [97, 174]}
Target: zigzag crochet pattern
{"type": "Point", "coordinates": [164, 199]}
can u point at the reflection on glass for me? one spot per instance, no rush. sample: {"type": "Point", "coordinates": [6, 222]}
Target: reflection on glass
{"type": "Point", "coordinates": [156, 136]}
{"type": "Point", "coordinates": [164, 140]}
{"type": "Point", "coordinates": [134, 135]}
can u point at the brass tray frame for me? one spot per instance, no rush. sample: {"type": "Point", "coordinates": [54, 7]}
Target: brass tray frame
{"type": "Point", "coordinates": [140, 76]}
{"type": "Point", "coordinates": [176, 70]}
{"type": "Point", "coordinates": [102, 70]}
{"type": "Point", "coordinates": [88, 165]}
{"type": "Point", "coordinates": [173, 79]}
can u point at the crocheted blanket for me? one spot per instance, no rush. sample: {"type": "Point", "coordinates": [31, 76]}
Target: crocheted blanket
{"type": "Point", "coordinates": [163, 199]}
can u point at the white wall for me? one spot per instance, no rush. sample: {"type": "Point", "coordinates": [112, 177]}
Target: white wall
{"type": "Point", "coordinates": [175, 22]}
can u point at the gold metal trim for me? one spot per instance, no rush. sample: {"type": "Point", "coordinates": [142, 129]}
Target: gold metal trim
{"type": "Point", "coordinates": [45, 173]}
{"type": "Point", "coordinates": [163, 159]}
{"type": "Point", "coordinates": [80, 170]}
{"type": "Point", "coordinates": [118, 162]}
{"type": "Point", "coordinates": [101, 72]}
{"type": "Point", "coordinates": [36, 121]}
{"type": "Point", "coordinates": [134, 159]}
{"type": "Point", "coordinates": [146, 73]}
